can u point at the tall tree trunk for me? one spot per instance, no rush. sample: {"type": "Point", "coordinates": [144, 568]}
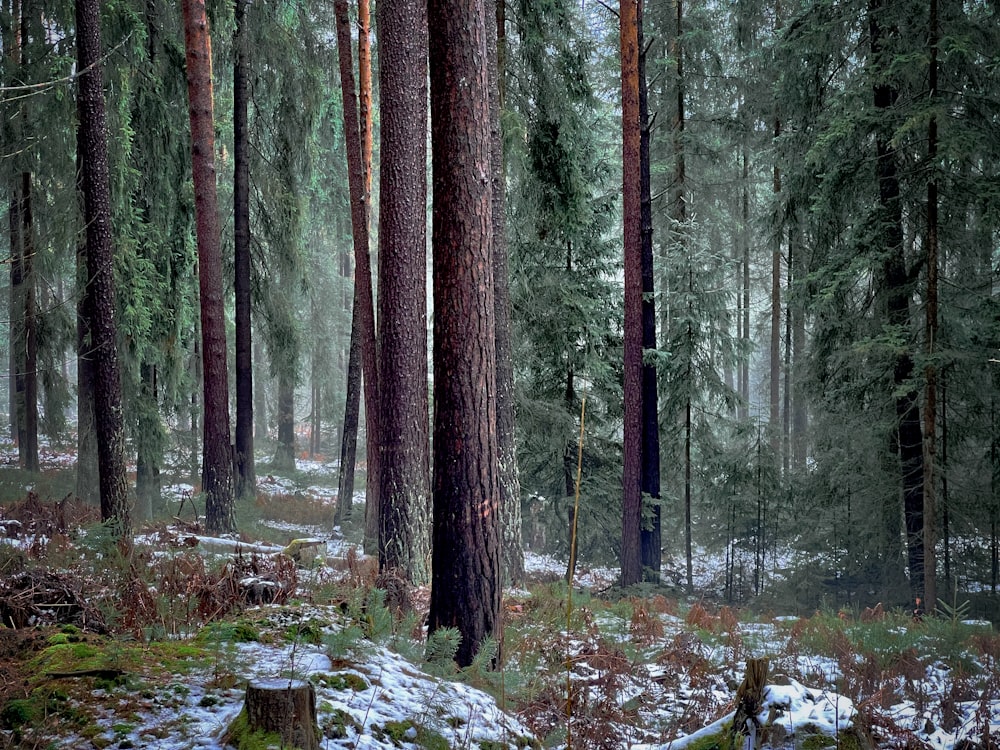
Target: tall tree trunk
{"type": "Point", "coordinates": [651, 538]}
{"type": "Point", "coordinates": [631, 560]}
{"type": "Point", "coordinates": [17, 322]}
{"type": "Point", "coordinates": [744, 410]}
{"type": "Point", "coordinates": [260, 417]}
{"type": "Point", "coordinates": [466, 570]}
{"type": "Point", "coordinates": [365, 112]}
{"type": "Point", "coordinates": [774, 415]}
{"type": "Point", "coordinates": [930, 370]}
{"type": "Point", "coordinates": [349, 434]}
{"type": "Point", "coordinates": [405, 514]}
{"type": "Point", "coordinates": [800, 419]}
{"type": "Point", "coordinates": [364, 319]}
{"type": "Point", "coordinates": [28, 427]}
{"type": "Point", "coordinates": [92, 140]}
{"type": "Point", "coordinates": [244, 468]}
{"type": "Point", "coordinates": [217, 465]}
{"type": "Point", "coordinates": [896, 291]}
{"type": "Point", "coordinates": [88, 487]}
{"type": "Point", "coordinates": [512, 548]}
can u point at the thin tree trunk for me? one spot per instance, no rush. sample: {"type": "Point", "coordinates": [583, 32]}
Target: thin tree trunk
{"type": "Point", "coordinates": [147, 468]}
{"type": "Point", "coordinates": [244, 468]}
{"type": "Point", "coordinates": [284, 454]}
{"type": "Point", "coordinates": [631, 550]}
{"type": "Point", "coordinates": [510, 483]}
{"type": "Point", "coordinates": [774, 417]}
{"type": "Point", "coordinates": [651, 539]}
{"type": "Point", "coordinates": [930, 370]}
{"type": "Point", "coordinates": [744, 411]}
{"type": "Point", "coordinates": [217, 466]}
{"type": "Point", "coordinates": [29, 426]}
{"type": "Point", "coordinates": [405, 484]}
{"type": "Point", "coordinates": [364, 307]}
{"type": "Point", "coordinates": [88, 487]}
{"type": "Point", "coordinates": [115, 505]}
{"type": "Point", "coordinates": [466, 568]}
{"type": "Point", "coordinates": [349, 435]}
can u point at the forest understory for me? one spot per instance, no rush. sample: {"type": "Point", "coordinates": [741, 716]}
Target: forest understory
{"type": "Point", "coordinates": [155, 651]}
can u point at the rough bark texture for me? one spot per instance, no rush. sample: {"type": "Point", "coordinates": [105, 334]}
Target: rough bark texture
{"type": "Point", "coordinates": [88, 487]}
{"type": "Point", "coordinates": [245, 470]}
{"type": "Point", "coordinates": [632, 492]}
{"type": "Point", "coordinates": [466, 578]}
{"type": "Point", "coordinates": [404, 492]}
{"type": "Point", "coordinates": [286, 708]}
{"type": "Point", "coordinates": [349, 434]}
{"type": "Point", "coordinates": [92, 136]}
{"type": "Point", "coordinates": [217, 464]}
{"type": "Point", "coordinates": [652, 542]}
{"type": "Point", "coordinates": [896, 292]}
{"type": "Point", "coordinates": [364, 309]}
{"type": "Point", "coordinates": [512, 549]}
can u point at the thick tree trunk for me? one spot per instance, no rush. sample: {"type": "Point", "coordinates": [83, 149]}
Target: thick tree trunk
{"type": "Point", "coordinates": [217, 465]}
{"type": "Point", "coordinates": [88, 487]}
{"type": "Point", "coordinates": [466, 569]}
{"type": "Point", "coordinates": [244, 468]}
{"type": "Point", "coordinates": [404, 492]}
{"type": "Point", "coordinates": [364, 307]}
{"type": "Point", "coordinates": [631, 561]}
{"type": "Point", "coordinates": [651, 540]}
{"type": "Point", "coordinates": [286, 708]}
{"type": "Point", "coordinates": [115, 503]}
{"type": "Point", "coordinates": [512, 549]}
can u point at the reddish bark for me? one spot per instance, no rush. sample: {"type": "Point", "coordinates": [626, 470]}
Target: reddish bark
{"type": "Point", "coordinates": [466, 574]}
{"type": "Point", "coordinates": [217, 465]}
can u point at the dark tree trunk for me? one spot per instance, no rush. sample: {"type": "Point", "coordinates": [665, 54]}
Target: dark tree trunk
{"type": "Point", "coordinates": [349, 435]}
{"type": "Point", "coordinates": [930, 370]}
{"type": "Point", "coordinates": [88, 487]}
{"type": "Point", "coordinates": [896, 291]}
{"type": "Point", "coordinates": [17, 322]}
{"type": "Point", "coordinates": [774, 415]}
{"type": "Point", "coordinates": [364, 309]}
{"type": "Point", "coordinates": [512, 549]}
{"type": "Point", "coordinates": [217, 466]}
{"type": "Point", "coordinates": [651, 534]}
{"type": "Point", "coordinates": [405, 514]}
{"type": "Point", "coordinates": [245, 469]}
{"type": "Point", "coordinates": [744, 408]}
{"type": "Point", "coordinates": [466, 571]}
{"type": "Point", "coordinates": [92, 139]}
{"type": "Point", "coordinates": [631, 561]}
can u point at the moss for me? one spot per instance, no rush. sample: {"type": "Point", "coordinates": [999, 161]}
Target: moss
{"type": "Point", "coordinates": [239, 735]}
{"type": "Point", "coordinates": [816, 742]}
{"type": "Point", "coordinates": [338, 724]}
{"type": "Point", "coordinates": [232, 632]}
{"type": "Point", "coordinates": [343, 681]}
{"type": "Point", "coordinates": [406, 731]}
{"type": "Point", "coordinates": [19, 712]}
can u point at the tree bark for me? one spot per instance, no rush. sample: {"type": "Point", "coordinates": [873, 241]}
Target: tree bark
{"type": "Point", "coordinates": [651, 538]}
{"type": "Point", "coordinates": [286, 708]}
{"type": "Point", "coordinates": [244, 468]}
{"type": "Point", "coordinates": [150, 448]}
{"type": "Point", "coordinates": [284, 454]}
{"type": "Point", "coordinates": [930, 370]}
{"type": "Point", "coordinates": [631, 218]}
{"type": "Point", "coordinates": [404, 492]}
{"type": "Point", "coordinates": [512, 549]}
{"type": "Point", "coordinates": [115, 503]}
{"type": "Point", "coordinates": [895, 289]}
{"type": "Point", "coordinates": [28, 426]}
{"type": "Point", "coordinates": [217, 464]}
{"type": "Point", "coordinates": [466, 572]}
{"type": "Point", "coordinates": [364, 306]}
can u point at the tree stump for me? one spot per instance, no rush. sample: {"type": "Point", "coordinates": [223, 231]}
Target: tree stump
{"type": "Point", "coordinates": [286, 708]}
{"type": "Point", "coordinates": [749, 700]}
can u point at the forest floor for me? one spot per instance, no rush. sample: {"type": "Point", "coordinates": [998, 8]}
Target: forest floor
{"type": "Point", "coordinates": [156, 651]}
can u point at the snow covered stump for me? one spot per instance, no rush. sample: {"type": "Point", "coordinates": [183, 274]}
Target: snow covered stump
{"type": "Point", "coordinates": [282, 708]}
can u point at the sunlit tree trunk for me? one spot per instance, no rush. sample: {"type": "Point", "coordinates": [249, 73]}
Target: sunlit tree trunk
{"type": "Point", "coordinates": [217, 464]}
{"type": "Point", "coordinates": [631, 561]}
{"type": "Point", "coordinates": [364, 318]}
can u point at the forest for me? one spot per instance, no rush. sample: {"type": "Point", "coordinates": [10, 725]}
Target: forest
{"type": "Point", "coordinates": [706, 295]}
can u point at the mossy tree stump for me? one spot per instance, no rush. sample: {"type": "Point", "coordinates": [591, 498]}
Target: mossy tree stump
{"type": "Point", "coordinates": [282, 708]}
